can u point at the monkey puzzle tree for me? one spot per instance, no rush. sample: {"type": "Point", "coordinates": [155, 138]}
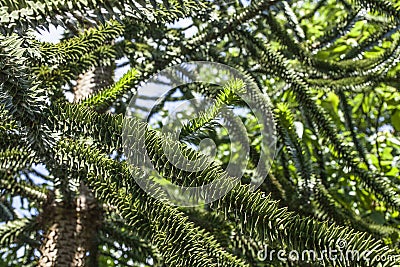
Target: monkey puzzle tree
{"type": "Point", "coordinates": [329, 67]}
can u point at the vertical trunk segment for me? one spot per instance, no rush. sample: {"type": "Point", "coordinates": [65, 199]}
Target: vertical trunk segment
{"type": "Point", "coordinates": [72, 227]}
{"type": "Point", "coordinates": [72, 231]}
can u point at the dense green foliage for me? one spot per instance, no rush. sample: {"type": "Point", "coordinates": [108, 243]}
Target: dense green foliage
{"type": "Point", "coordinates": [330, 67]}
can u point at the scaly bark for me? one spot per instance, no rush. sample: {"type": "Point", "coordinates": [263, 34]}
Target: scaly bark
{"type": "Point", "coordinates": [59, 239]}
{"type": "Point", "coordinates": [72, 230]}
{"type": "Point", "coordinates": [73, 227]}
{"type": "Point", "coordinates": [92, 81]}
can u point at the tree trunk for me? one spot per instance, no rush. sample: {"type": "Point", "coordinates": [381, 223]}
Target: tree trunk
{"type": "Point", "coordinates": [56, 246]}
{"type": "Point", "coordinates": [72, 232]}
{"type": "Point", "coordinates": [92, 81]}
{"type": "Point", "coordinates": [73, 227]}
